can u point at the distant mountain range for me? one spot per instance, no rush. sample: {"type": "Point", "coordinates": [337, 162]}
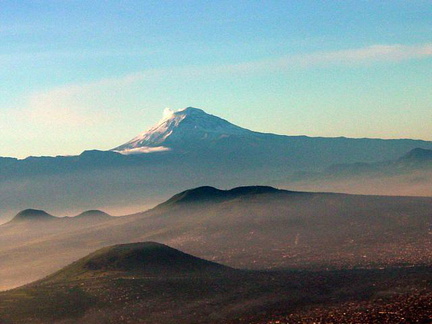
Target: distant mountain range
{"type": "Point", "coordinates": [191, 129]}
{"type": "Point", "coordinates": [188, 148]}
{"type": "Point", "coordinates": [31, 215]}
{"type": "Point", "coordinates": [416, 159]}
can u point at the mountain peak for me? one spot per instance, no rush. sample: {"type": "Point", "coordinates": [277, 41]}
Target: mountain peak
{"type": "Point", "coordinates": [32, 215]}
{"type": "Point", "coordinates": [184, 128]}
{"type": "Point", "coordinates": [189, 111]}
{"type": "Point", "coordinates": [168, 113]}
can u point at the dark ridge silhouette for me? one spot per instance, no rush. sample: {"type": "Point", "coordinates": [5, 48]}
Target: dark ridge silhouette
{"type": "Point", "coordinates": [144, 258]}
{"type": "Point", "coordinates": [417, 155]}
{"type": "Point", "coordinates": [253, 190]}
{"type": "Point", "coordinates": [211, 194]}
{"type": "Point", "coordinates": [28, 216]}
{"type": "Point", "coordinates": [32, 215]}
{"type": "Point", "coordinates": [93, 214]}
{"type": "Point", "coordinates": [199, 194]}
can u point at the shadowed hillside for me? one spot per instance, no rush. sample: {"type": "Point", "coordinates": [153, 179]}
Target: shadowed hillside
{"type": "Point", "coordinates": [147, 259]}
{"type": "Point", "coordinates": [153, 283]}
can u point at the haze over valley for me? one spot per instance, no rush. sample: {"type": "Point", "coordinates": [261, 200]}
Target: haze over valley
{"type": "Point", "coordinates": [215, 162]}
{"type": "Point", "coordinates": [191, 148]}
{"type": "Point", "coordinates": [380, 240]}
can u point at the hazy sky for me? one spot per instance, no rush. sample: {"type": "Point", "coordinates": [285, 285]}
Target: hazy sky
{"type": "Point", "coordinates": [78, 75]}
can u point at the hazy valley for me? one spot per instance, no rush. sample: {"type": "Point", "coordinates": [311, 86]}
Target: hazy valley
{"type": "Point", "coordinates": [260, 254]}
{"type": "Point", "coordinates": [215, 162]}
{"type": "Point", "coordinates": [249, 227]}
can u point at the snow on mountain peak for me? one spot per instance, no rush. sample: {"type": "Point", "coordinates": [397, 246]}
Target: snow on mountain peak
{"type": "Point", "coordinates": [186, 126]}
{"type": "Point", "coordinates": [167, 113]}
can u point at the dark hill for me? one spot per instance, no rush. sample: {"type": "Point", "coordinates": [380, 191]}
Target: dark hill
{"type": "Point", "coordinates": [211, 194]}
{"type": "Point", "coordinates": [94, 214]}
{"type": "Point", "coordinates": [144, 259]}
{"type": "Point", "coordinates": [32, 215]}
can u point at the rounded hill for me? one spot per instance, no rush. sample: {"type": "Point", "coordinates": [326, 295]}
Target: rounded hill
{"type": "Point", "coordinates": [140, 259]}
{"type": "Point", "coordinates": [32, 215]}
{"type": "Point", "coordinates": [92, 214]}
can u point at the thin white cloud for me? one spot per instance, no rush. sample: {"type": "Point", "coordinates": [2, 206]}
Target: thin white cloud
{"type": "Point", "coordinates": [84, 104]}
{"type": "Point", "coordinates": [32, 56]}
{"type": "Point", "coordinates": [370, 54]}
{"type": "Point", "coordinates": [350, 57]}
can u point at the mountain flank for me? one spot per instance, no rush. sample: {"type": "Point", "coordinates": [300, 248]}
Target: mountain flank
{"type": "Point", "coordinates": [143, 258]}
{"type": "Point", "coordinates": [150, 282]}
{"type": "Point", "coordinates": [417, 155]}
{"type": "Point", "coordinates": [182, 129]}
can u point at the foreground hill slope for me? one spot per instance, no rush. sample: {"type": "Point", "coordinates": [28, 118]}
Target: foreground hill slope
{"type": "Point", "coordinates": [146, 259]}
{"type": "Point", "coordinates": [246, 227]}
{"type": "Point", "coordinates": [153, 283]}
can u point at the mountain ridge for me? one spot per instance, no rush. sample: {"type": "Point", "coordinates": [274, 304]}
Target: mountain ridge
{"type": "Point", "coordinates": [188, 160]}
{"type": "Point", "coordinates": [212, 194]}
{"type": "Point", "coordinates": [31, 215]}
{"type": "Point", "coordinates": [417, 155]}
{"type": "Point", "coordinates": [191, 128]}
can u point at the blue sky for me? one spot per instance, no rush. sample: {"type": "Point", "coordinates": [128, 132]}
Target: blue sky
{"type": "Point", "coordinates": [78, 75]}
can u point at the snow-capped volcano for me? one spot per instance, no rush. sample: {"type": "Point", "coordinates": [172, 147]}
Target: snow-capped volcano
{"type": "Point", "coordinates": [183, 128]}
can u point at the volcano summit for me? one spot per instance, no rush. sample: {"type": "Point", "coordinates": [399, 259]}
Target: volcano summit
{"type": "Point", "coordinates": [189, 127]}
{"type": "Point", "coordinates": [187, 148]}
{"type": "Point", "coordinates": [192, 130]}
